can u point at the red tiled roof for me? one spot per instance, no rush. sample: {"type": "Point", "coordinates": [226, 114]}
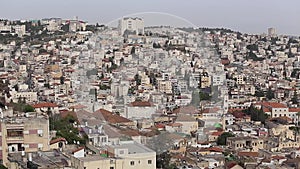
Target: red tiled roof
{"type": "Point", "coordinates": [225, 61]}
{"type": "Point", "coordinates": [239, 115]}
{"type": "Point", "coordinates": [175, 124]}
{"type": "Point", "coordinates": [160, 125]}
{"type": "Point", "coordinates": [45, 104]}
{"type": "Point", "coordinates": [78, 149]}
{"type": "Point", "coordinates": [140, 104]}
{"type": "Point", "coordinates": [248, 154]}
{"type": "Point", "coordinates": [130, 132]}
{"type": "Point", "coordinates": [111, 117]}
{"type": "Point", "coordinates": [266, 109]}
{"type": "Point", "coordinates": [186, 110]}
{"type": "Point", "coordinates": [57, 140]}
{"type": "Point", "coordinates": [278, 157]}
{"type": "Point", "coordinates": [272, 104]}
{"type": "Point", "coordinates": [231, 164]}
{"type": "Point", "coordinates": [210, 110]}
{"type": "Point", "coordinates": [235, 110]}
{"type": "Point", "coordinates": [64, 114]}
{"type": "Point", "coordinates": [215, 149]}
{"type": "Point", "coordinates": [285, 118]}
{"type": "Point", "coordinates": [294, 109]}
{"type": "Point", "coordinates": [217, 133]}
{"type": "Point", "coordinates": [78, 106]}
{"type": "Point", "coordinates": [105, 60]}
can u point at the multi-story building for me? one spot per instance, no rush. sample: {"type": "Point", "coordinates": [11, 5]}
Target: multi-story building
{"type": "Point", "coordinates": [122, 156]}
{"type": "Point", "coordinates": [276, 110]}
{"type": "Point", "coordinates": [20, 29]}
{"type": "Point", "coordinates": [205, 80]}
{"type": "Point", "coordinates": [218, 79]}
{"type": "Point", "coordinates": [29, 97]}
{"type": "Point", "coordinates": [164, 86]}
{"type": "Point", "coordinates": [139, 110]}
{"type": "Point", "coordinates": [23, 134]}
{"type": "Point", "coordinates": [245, 143]}
{"type": "Point", "coordinates": [271, 31]}
{"type": "Point", "coordinates": [95, 161]}
{"type": "Point", "coordinates": [135, 25]}
{"type": "Point", "coordinates": [135, 155]}
{"type": "Point", "coordinates": [76, 25]}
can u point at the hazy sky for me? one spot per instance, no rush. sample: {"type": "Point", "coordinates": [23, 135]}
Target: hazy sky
{"type": "Point", "coordinates": [249, 16]}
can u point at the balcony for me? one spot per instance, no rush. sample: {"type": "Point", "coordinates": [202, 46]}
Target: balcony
{"type": "Point", "coordinates": [18, 139]}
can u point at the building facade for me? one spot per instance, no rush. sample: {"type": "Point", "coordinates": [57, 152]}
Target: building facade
{"type": "Point", "coordinates": [25, 135]}
{"type": "Point", "coordinates": [135, 25]}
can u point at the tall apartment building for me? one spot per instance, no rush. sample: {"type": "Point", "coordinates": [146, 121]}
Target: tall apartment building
{"type": "Point", "coordinates": [25, 135]}
{"type": "Point", "coordinates": [135, 25]}
{"type": "Point", "coordinates": [271, 31]}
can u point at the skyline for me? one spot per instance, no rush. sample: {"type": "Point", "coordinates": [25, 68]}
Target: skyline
{"type": "Point", "coordinates": [239, 15]}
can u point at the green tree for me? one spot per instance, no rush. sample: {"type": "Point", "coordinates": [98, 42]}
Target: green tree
{"type": "Point", "coordinates": [204, 96]}
{"type": "Point", "coordinates": [222, 139]}
{"type": "Point", "coordinates": [270, 94]}
{"type": "Point", "coordinates": [62, 80]}
{"type": "Point", "coordinates": [256, 114]}
{"type": "Point", "coordinates": [132, 50]}
{"type": "Point", "coordinates": [156, 45]}
{"type": "Point", "coordinates": [137, 79]}
{"type": "Point", "coordinates": [252, 47]}
{"type": "Point", "coordinates": [28, 108]}
{"type": "Point", "coordinates": [2, 166]}
{"type": "Point", "coordinates": [295, 98]}
{"type": "Point", "coordinates": [259, 93]}
{"type": "Point", "coordinates": [65, 128]}
{"type": "Point", "coordinates": [163, 160]}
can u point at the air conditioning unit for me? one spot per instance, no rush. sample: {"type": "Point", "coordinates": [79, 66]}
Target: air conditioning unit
{"type": "Point", "coordinates": [41, 134]}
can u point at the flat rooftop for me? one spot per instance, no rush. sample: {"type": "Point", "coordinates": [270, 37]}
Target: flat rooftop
{"type": "Point", "coordinates": [134, 148]}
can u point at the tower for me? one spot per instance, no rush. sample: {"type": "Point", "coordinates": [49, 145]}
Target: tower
{"type": "Point", "coordinates": [271, 32]}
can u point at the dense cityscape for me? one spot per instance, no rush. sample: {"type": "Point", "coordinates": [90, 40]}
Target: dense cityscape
{"type": "Point", "coordinates": [77, 95]}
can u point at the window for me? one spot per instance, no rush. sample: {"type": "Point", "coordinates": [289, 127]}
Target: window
{"type": "Point", "coordinates": [111, 168]}
{"type": "Point", "coordinates": [149, 161]}
{"type": "Point", "coordinates": [131, 162]}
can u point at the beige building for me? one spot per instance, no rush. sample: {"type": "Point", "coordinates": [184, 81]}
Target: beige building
{"type": "Point", "coordinates": [245, 143]}
{"type": "Point", "coordinates": [97, 162]}
{"type": "Point", "coordinates": [134, 155]}
{"type": "Point", "coordinates": [28, 96]}
{"type": "Point", "coordinates": [24, 135]}
{"type": "Point", "coordinates": [205, 80]}
{"type": "Point", "coordinates": [164, 86]}
{"type": "Point", "coordinates": [189, 123]}
{"type": "Point", "coordinates": [283, 137]}
{"type": "Point", "coordinates": [276, 110]}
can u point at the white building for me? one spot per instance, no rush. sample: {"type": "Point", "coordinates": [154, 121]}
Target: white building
{"type": "Point", "coordinates": [131, 24]}
{"type": "Point", "coordinates": [29, 97]}
{"type": "Point", "coordinates": [218, 79]}
{"type": "Point", "coordinates": [20, 29]}
{"type": "Point", "coordinates": [139, 110]}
